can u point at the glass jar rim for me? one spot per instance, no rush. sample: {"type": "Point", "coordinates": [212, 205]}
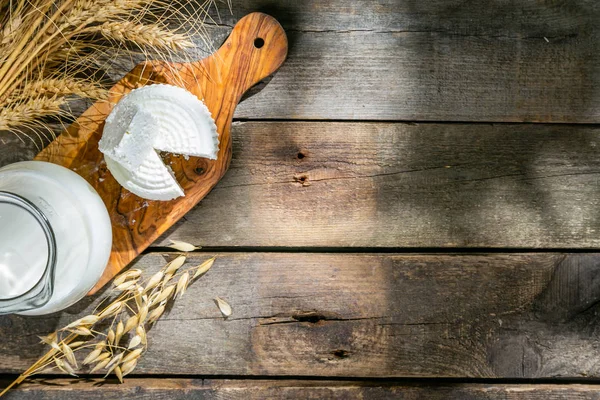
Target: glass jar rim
{"type": "Point", "coordinates": [40, 293]}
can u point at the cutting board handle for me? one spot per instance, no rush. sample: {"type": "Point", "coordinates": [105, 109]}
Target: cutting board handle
{"type": "Point", "coordinates": [255, 49]}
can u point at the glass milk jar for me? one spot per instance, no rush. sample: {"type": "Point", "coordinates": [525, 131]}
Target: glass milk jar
{"type": "Point", "coordinates": [55, 238]}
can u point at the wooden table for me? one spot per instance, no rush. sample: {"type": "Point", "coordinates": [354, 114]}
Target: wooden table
{"type": "Point", "coordinates": [412, 211]}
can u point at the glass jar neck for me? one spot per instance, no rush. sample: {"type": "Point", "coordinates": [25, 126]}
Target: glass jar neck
{"type": "Point", "coordinates": [38, 293]}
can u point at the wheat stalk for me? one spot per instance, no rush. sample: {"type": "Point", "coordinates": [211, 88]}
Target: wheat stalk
{"type": "Point", "coordinates": [116, 348]}
{"type": "Point", "coordinates": [17, 114]}
{"type": "Point", "coordinates": [62, 87]}
{"type": "Point", "coordinates": [150, 35]}
{"type": "Point", "coordinates": [47, 45]}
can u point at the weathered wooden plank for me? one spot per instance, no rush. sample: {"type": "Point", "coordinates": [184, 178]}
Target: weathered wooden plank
{"type": "Point", "coordinates": [404, 185]}
{"type": "Point", "coordinates": [173, 389]}
{"type": "Point", "coordinates": [400, 185]}
{"type": "Point", "coordinates": [438, 60]}
{"type": "Point", "coordinates": [434, 60]}
{"type": "Point", "coordinates": [476, 18]}
{"type": "Point", "coordinates": [360, 315]}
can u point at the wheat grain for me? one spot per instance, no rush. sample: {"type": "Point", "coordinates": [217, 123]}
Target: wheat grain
{"type": "Point", "coordinates": [62, 87]}
{"type": "Point", "coordinates": [22, 113]}
{"type": "Point", "coordinates": [45, 45]}
{"type": "Point", "coordinates": [150, 35]}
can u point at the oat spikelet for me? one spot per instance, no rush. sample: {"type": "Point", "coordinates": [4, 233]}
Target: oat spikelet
{"type": "Point", "coordinates": [182, 284]}
{"type": "Point", "coordinates": [82, 331]}
{"type": "Point", "coordinates": [165, 294]}
{"type": "Point", "coordinates": [69, 355]}
{"type": "Point", "coordinates": [173, 266]}
{"type": "Point", "coordinates": [141, 332]}
{"type": "Point", "coordinates": [110, 337]}
{"type": "Point", "coordinates": [83, 322]}
{"type": "Point", "coordinates": [64, 366]}
{"type": "Point", "coordinates": [133, 355]}
{"type": "Point", "coordinates": [100, 365]}
{"type": "Point", "coordinates": [51, 338]}
{"type": "Point", "coordinates": [154, 281]}
{"type": "Point", "coordinates": [92, 356]}
{"type": "Point", "coordinates": [223, 306]}
{"type": "Point", "coordinates": [123, 287]}
{"type": "Point", "coordinates": [156, 313]}
{"type": "Point", "coordinates": [111, 310]}
{"type": "Point", "coordinates": [118, 373]}
{"type": "Point", "coordinates": [106, 352]}
{"type": "Point", "coordinates": [134, 342]}
{"type": "Point", "coordinates": [143, 314]}
{"type": "Point", "coordinates": [182, 246]}
{"type": "Point", "coordinates": [204, 267]}
{"type": "Point", "coordinates": [128, 367]}
{"type": "Point", "coordinates": [113, 362]}
{"type": "Point", "coordinates": [131, 274]}
{"type": "Point", "coordinates": [131, 323]}
{"type": "Point", "coordinates": [119, 332]}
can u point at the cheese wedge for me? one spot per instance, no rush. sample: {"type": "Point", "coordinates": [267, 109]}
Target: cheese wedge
{"type": "Point", "coordinates": [151, 119]}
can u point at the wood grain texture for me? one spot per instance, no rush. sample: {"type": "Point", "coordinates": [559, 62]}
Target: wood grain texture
{"type": "Point", "coordinates": [366, 315]}
{"type": "Point", "coordinates": [174, 389]}
{"type": "Point", "coordinates": [430, 60]}
{"type": "Point", "coordinates": [403, 185]}
{"type": "Point", "coordinates": [511, 61]}
{"type": "Point", "coordinates": [395, 185]}
{"type": "Point", "coordinates": [220, 81]}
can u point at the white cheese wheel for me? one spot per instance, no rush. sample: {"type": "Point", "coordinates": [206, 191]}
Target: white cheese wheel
{"type": "Point", "coordinates": [150, 119]}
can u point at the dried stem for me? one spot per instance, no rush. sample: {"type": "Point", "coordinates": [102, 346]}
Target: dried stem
{"type": "Point", "coordinates": [117, 347]}
{"type": "Point", "coordinates": [47, 45]}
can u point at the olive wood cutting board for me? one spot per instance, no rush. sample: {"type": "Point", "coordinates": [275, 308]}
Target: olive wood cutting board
{"type": "Point", "coordinates": [255, 49]}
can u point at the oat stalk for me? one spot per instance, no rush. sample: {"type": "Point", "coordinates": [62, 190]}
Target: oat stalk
{"type": "Point", "coordinates": [114, 337]}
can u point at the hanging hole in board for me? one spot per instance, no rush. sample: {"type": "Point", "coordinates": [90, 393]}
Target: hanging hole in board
{"type": "Point", "coordinates": [259, 42]}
